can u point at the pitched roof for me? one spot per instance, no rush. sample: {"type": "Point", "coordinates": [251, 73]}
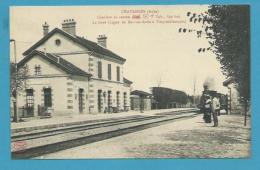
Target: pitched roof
{"type": "Point", "coordinates": [90, 45]}
{"type": "Point", "coordinates": [98, 49]}
{"type": "Point", "coordinates": [126, 81]}
{"type": "Point", "coordinates": [140, 93]}
{"type": "Point", "coordinates": [56, 60]}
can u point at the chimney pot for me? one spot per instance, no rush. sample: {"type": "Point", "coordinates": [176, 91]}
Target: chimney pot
{"type": "Point", "coordinates": [69, 26]}
{"type": "Point", "coordinates": [45, 27]}
{"type": "Point", "coordinates": [102, 40]}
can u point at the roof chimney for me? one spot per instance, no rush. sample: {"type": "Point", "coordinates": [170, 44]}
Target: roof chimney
{"type": "Point", "coordinates": [45, 27]}
{"type": "Point", "coordinates": [69, 26]}
{"type": "Point", "coordinates": [102, 40]}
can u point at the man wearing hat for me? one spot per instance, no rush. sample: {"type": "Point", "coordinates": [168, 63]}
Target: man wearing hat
{"type": "Point", "coordinates": [207, 106]}
{"type": "Point", "coordinates": [215, 108]}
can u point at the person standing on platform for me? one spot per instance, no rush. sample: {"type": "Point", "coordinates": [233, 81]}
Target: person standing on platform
{"type": "Point", "coordinates": [208, 105]}
{"type": "Point", "coordinates": [215, 108]}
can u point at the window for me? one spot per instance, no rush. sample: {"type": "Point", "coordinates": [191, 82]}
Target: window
{"type": "Point", "coordinates": [118, 73]}
{"type": "Point", "coordinates": [37, 70]}
{"type": "Point", "coordinates": [29, 102]}
{"type": "Point", "coordinates": [118, 99]}
{"type": "Point", "coordinates": [57, 42]}
{"type": "Point", "coordinates": [109, 71]}
{"type": "Point", "coordinates": [47, 97]}
{"type": "Point", "coordinates": [29, 98]}
{"type": "Point", "coordinates": [125, 100]}
{"type": "Point", "coordinates": [109, 99]}
{"type": "Point", "coordinates": [104, 95]}
{"type": "Point", "coordinates": [99, 69]}
{"type": "Point", "coordinates": [99, 100]}
{"type": "Point", "coordinates": [81, 100]}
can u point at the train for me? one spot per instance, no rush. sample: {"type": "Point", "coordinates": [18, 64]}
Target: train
{"type": "Point", "coordinates": [223, 99]}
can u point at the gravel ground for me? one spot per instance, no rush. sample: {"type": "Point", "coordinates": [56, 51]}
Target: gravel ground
{"type": "Point", "coordinates": [190, 138]}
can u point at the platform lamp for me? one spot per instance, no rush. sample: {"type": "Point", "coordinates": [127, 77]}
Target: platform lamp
{"type": "Point", "coordinates": [16, 117]}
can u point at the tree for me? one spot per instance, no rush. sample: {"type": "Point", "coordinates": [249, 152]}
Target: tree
{"type": "Point", "coordinates": [17, 82]}
{"type": "Point", "coordinates": [22, 75]}
{"type": "Point", "coordinates": [231, 39]}
{"type": "Point", "coordinates": [227, 28]}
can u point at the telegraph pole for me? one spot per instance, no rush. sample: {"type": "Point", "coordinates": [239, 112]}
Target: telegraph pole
{"type": "Point", "coordinates": [194, 92]}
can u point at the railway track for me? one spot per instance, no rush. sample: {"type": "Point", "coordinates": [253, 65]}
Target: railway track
{"type": "Point", "coordinates": [52, 140]}
{"type": "Point", "coordinates": [76, 128]}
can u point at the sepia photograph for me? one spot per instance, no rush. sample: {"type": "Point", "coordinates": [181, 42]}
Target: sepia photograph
{"type": "Point", "coordinates": [130, 81]}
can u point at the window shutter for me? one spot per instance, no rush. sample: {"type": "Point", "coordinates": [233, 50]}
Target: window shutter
{"type": "Point", "coordinates": [99, 69]}
{"type": "Point", "coordinates": [118, 73]}
{"type": "Point", "coordinates": [109, 71]}
{"type": "Point", "coordinates": [47, 97]}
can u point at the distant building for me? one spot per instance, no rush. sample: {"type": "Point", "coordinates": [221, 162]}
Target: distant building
{"type": "Point", "coordinates": [141, 100]}
{"type": "Point", "coordinates": [166, 98]}
{"type": "Point", "coordinates": [70, 75]}
{"type": "Point", "coordinates": [234, 105]}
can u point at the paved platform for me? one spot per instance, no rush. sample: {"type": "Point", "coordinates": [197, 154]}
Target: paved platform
{"type": "Point", "coordinates": [190, 138]}
{"type": "Point", "coordinates": [61, 121]}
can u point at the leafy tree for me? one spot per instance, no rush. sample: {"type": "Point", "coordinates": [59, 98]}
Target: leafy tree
{"type": "Point", "coordinates": [231, 40]}
{"type": "Point", "coordinates": [20, 80]}
{"type": "Point", "coordinates": [227, 28]}
{"type": "Point", "coordinates": [17, 83]}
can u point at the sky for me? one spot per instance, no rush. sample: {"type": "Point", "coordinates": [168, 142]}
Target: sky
{"type": "Point", "coordinates": [156, 53]}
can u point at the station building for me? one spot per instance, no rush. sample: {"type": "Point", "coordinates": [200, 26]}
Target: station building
{"type": "Point", "coordinates": [69, 74]}
{"type": "Point", "coordinates": [234, 104]}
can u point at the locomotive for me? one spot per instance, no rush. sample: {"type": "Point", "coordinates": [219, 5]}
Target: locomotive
{"type": "Point", "coordinates": [223, 99]}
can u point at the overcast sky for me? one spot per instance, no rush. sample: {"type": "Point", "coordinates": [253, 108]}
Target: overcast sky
{"type": "Point", "coordinates": [153, 52]}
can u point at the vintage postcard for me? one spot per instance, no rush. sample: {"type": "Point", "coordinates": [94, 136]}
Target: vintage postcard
{"type": "Point", "coordinates": [146, 81]}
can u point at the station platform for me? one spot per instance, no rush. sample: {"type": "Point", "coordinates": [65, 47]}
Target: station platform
{"type": "Point", "coordinates": [63, 121]}
{"type": "Point", "coordinates": [189, 138]}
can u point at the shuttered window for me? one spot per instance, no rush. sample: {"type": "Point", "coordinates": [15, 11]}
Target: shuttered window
{"type": "Point", "coordinates": [109, 71]}
{"type": "Point", "coordinates": [99, 69]}
{"type": "Point", "coordinates": [118, 73]}
{"type": "Point", "coordinates": [47, 97]}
